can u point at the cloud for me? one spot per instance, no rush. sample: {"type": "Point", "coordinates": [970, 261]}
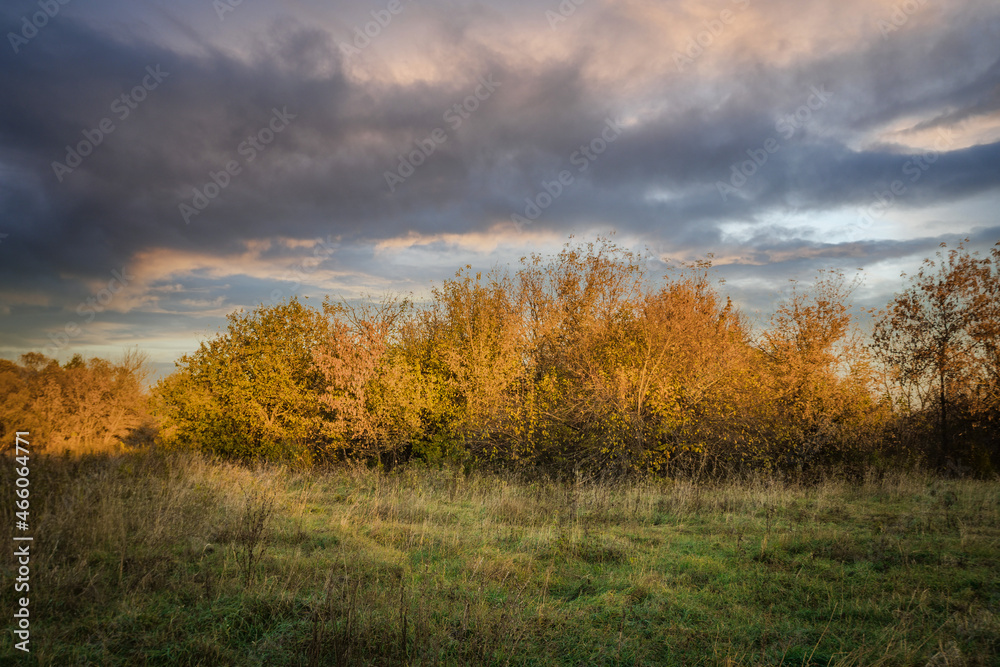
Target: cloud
{"type": "Point", "coordinates": [698, 89]}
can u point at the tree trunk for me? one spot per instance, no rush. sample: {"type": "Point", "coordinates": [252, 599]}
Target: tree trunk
{"type": "Point", "coordinates": [944, 418]}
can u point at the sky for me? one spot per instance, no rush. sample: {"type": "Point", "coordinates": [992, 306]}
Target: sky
{"type": "Point", "coordinates": [165, 163]}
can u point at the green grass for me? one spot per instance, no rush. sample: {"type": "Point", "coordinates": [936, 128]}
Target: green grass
{"type": "Point", "coordinates": [142, 560]}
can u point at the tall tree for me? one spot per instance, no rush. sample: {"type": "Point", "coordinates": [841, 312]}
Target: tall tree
{"type": "Point", "coordinates": [934, 332]}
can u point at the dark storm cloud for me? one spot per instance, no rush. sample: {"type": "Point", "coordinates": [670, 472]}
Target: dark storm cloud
{"type": "Point", "coordinates": [324, 173]}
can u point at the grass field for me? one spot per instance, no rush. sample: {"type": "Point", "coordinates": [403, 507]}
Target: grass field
{"type": "Point", "coordinates": [167, 559]}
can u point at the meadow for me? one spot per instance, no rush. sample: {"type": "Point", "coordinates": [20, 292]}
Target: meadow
{"type": "Point", "coordinates": [167, 558]}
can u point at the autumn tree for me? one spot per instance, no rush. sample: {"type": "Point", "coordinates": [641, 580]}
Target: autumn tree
{"type": "Point", "coordinates": [252, 391]}
{"type": "Point", "coordinates": [628, 373]}
{"type": "Point", "coordinates": [376, 397]}
{"type": "Point", "coordinates": [820, 378]}
{"type": "Point", "coordinates": [940, 335]}
{"type": "Point", "coordinates": [584, 360]}
{"type": "Point", "coordinates": [678, 376]}
{"type": "Point", "coordinates": [473, 346]}
{"type": "Point", "coordinates": [83, 405]}
{"type": "Point", "coordinates": [985, 331]}
{"type": "Point", "coordinates": [576, 306]}
{"type": "Point", "coordinates": [703, 371]}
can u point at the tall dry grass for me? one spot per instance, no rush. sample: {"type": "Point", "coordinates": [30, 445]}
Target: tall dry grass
{"type": "Point", "coordinates": [173, 558]}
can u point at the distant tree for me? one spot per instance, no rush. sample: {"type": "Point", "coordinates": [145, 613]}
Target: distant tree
{"type": "Point", "coordinates": [253, 391]}
{"type": "Point", "coordinates": [15, 399]}
{"type": "Point", "coordinates": [85, 405]}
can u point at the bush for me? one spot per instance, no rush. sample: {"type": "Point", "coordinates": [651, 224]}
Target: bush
{"type": "Point", "coordinates": [252, 392]}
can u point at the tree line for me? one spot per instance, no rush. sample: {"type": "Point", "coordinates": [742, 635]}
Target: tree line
{"type": "Point", "coordinates": [585, 361]}
{"type": "Point", "coordinates": [81, 406]}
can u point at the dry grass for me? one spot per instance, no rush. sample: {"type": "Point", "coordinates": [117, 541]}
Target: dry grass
{"type": "Point", "coordinates": [152, 558]}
